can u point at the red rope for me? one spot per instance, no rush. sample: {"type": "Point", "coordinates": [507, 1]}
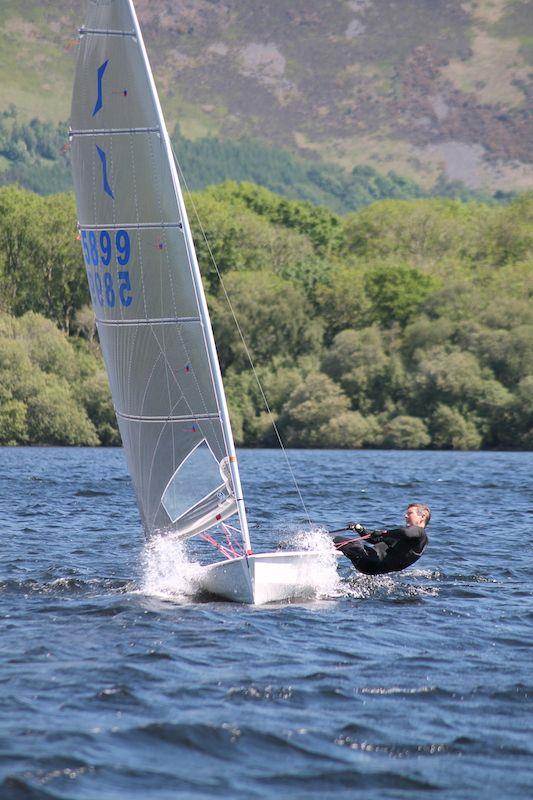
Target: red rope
{"type": "Point", "coordinates": [230, 551]}
{"type": "Point", "coordinates": [228, 540]}
{"type": "Point", "coordinates": [231, 545]}
{"type": "Point", "coordinates": [338, 545]}
{"type": "Point", "coordinates": [216, 544]}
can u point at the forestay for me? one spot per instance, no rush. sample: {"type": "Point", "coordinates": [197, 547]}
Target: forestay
{"type": "Point", "coordinates": [145, 285]}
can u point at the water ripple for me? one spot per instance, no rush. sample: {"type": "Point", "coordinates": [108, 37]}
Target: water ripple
{"type": "Point", "coordinates": [118, 682]}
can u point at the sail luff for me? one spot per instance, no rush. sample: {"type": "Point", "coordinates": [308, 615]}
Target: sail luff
{"type": "Point", "coordinates": [200, 296]}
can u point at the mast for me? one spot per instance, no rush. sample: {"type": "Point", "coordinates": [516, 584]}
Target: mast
{"type": "Point", "coordinates": [200, 296]}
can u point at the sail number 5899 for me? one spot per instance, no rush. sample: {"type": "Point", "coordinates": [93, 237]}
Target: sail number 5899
{"type": "Point", "coordinates": [99, 249]}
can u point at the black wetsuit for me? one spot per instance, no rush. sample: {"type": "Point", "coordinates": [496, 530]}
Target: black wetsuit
{"type": "Point", "coordinates": [384, 551]}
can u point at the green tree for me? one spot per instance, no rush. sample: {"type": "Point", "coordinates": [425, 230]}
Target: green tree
{"type": "Point", "coordinates": [510, 237]}
{"type": "Point", "coordinates": [279, 381]}
{"type": "Point", "coordinates": [517, 424]}
{"type": "Point", "coordinates": [342, 300]}
{"type": "Point", "coordinates": [40, 379]}
{"type": "Point", "coordinates": [20, 211]}
{"type": "Point", "coordinates": [47, 347]}
{"type": "Point", "coordinates": [358, 361]}
{"type": "Point", "coordinates": [40, 257]}
{"type": "Point", "coordinates": [273, 314]}
{"type": "Point", "coordinates": [13, 419]}
{"type": "Point", "coordinates": [450, 377]}
{"type": "Point", "coordinates": [84, 323]}
{"type": "Point", "coordinates": [421, 231]}
{"type": "Point", "coordinates": [59, 262]}
{"type": "Point", "coordinates": [405, 310]}
{"type": "Point", "coordinates": [509, 353]}
{"type": "Point", "coordinates": [446, 375]}
{"type": "Point", "coordinates": [252, 421]}
{"type": "Point", "coordinates": [54, 416]}
{"type": "Point", "coordinates": [95, 395]}
{"type": "Point", "coordinates": [450, 430]}
{"type": "Point", "coordinates": [423, 333]}
{"type": "Point", "coordinates": [240, 392]}
{"type": "Point", "coordinates": [351, 430]}
{"type": "Point", "coordinates": [405, 432]}
{"type": "Point", "coordinates": [458, 300]}
{"type": "Point", "coordinates": [236, 238]}
{"type": "Point", "coordinates": [310, 409]}
{"type": "Point", "coordinates": [319, 225]}
{"type": "Point", "coordinates": [397, 294]}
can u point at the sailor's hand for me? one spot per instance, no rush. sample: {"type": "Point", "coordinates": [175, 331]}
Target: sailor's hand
{"type": "Point", "coordinates": [356, 527]}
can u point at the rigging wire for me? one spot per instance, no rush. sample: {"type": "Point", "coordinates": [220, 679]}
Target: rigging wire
{"type": "Point", "coordinates": [239, 329]}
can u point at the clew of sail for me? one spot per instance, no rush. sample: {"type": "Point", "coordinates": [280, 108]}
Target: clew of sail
{"type": "Point", "coordinates": [145, 285]}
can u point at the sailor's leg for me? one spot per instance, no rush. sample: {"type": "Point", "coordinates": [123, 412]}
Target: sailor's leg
{"type": "Point", "coordinates": [363, 557]}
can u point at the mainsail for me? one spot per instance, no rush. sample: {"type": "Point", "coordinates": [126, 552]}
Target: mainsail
{"type": "Point", "coordinates": [145, 284]}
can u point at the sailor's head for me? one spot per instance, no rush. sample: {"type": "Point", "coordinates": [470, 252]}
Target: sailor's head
{"type": "Point", "coordinates": [417, 514]}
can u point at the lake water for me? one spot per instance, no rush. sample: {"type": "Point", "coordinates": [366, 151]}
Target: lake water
{"type": "Point", "coordinates": [116, 683]}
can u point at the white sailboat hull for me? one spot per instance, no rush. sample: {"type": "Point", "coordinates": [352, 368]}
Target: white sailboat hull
{"type": "Point", "coordinates": [264, 578]}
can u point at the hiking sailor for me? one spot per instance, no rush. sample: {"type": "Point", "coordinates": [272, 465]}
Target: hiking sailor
{"type": "Point", "coordinates": [379, 552]}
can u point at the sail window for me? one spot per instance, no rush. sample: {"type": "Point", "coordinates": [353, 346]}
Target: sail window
{"type": "Point", "coordinates": [196, 477]}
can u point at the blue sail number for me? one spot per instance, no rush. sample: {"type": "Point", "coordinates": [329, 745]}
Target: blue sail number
{"type": "Point", "coordinates": [99, 250]}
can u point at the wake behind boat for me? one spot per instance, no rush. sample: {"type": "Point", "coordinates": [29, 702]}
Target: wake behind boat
{"type": "Point", "coordinates": [152, 316]}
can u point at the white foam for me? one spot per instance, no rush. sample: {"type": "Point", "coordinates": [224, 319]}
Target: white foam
{"type": "Point", "coordinates": [169, 572]}
{"type": "Point", "coordinates": [326, 579]}
{"type": "Point", "coordinates": [363, 587]}
{"type": "Point", "coordinates": [167, 569]}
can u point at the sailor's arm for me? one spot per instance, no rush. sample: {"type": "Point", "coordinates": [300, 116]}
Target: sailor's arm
{"type": "Point", "coordinates": [371, 536]}
{"type": "Point", "coordinates": [412, 532]}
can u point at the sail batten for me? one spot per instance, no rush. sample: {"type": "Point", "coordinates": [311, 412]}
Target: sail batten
{"type": "Point", "coordinates": [130, 226]}
{"type": "Point", "coordinates": [104, 32]}
{"type": "Point", "coordinates": [112, 131]}
{"type": "Point", "coordinates": [152, 321]}
{"type": "Point", "coordinates": [169, 418]}
{"type": "Point", "coordinates": [146, 287]}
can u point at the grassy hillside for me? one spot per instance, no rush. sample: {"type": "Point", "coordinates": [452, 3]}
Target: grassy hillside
{"type": "Point", "coordinates": [37, 56]}
{"type": "Point", "coordinates": [420, 88]}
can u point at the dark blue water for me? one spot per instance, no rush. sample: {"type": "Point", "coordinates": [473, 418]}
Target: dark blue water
{"type": "Point", "coordinates": [406, 686]}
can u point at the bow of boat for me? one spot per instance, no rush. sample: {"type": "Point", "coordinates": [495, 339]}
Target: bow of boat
{"type": "Point", "coordinates": [266, 577]}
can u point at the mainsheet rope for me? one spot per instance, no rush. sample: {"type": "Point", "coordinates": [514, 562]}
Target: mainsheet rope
{"type": "Point", "coordinates": [247, 351]}
{"type": "Point", "coordinates": [338, 545]}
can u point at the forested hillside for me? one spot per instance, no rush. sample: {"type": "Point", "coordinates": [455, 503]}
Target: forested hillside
{"type": "Point", "coordinates": [405, 324]}
{"type": "Point", "coordinates": [36, 156]}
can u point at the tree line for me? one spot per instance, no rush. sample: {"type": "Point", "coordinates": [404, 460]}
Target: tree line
{"type": "Point", "coordinates": [407, 324]}
{"type": "Point", "coordinates": [35, 155]}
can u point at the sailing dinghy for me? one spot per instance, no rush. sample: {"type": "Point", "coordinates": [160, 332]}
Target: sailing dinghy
{"type": "Point", "coordinates": [152, 316]}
